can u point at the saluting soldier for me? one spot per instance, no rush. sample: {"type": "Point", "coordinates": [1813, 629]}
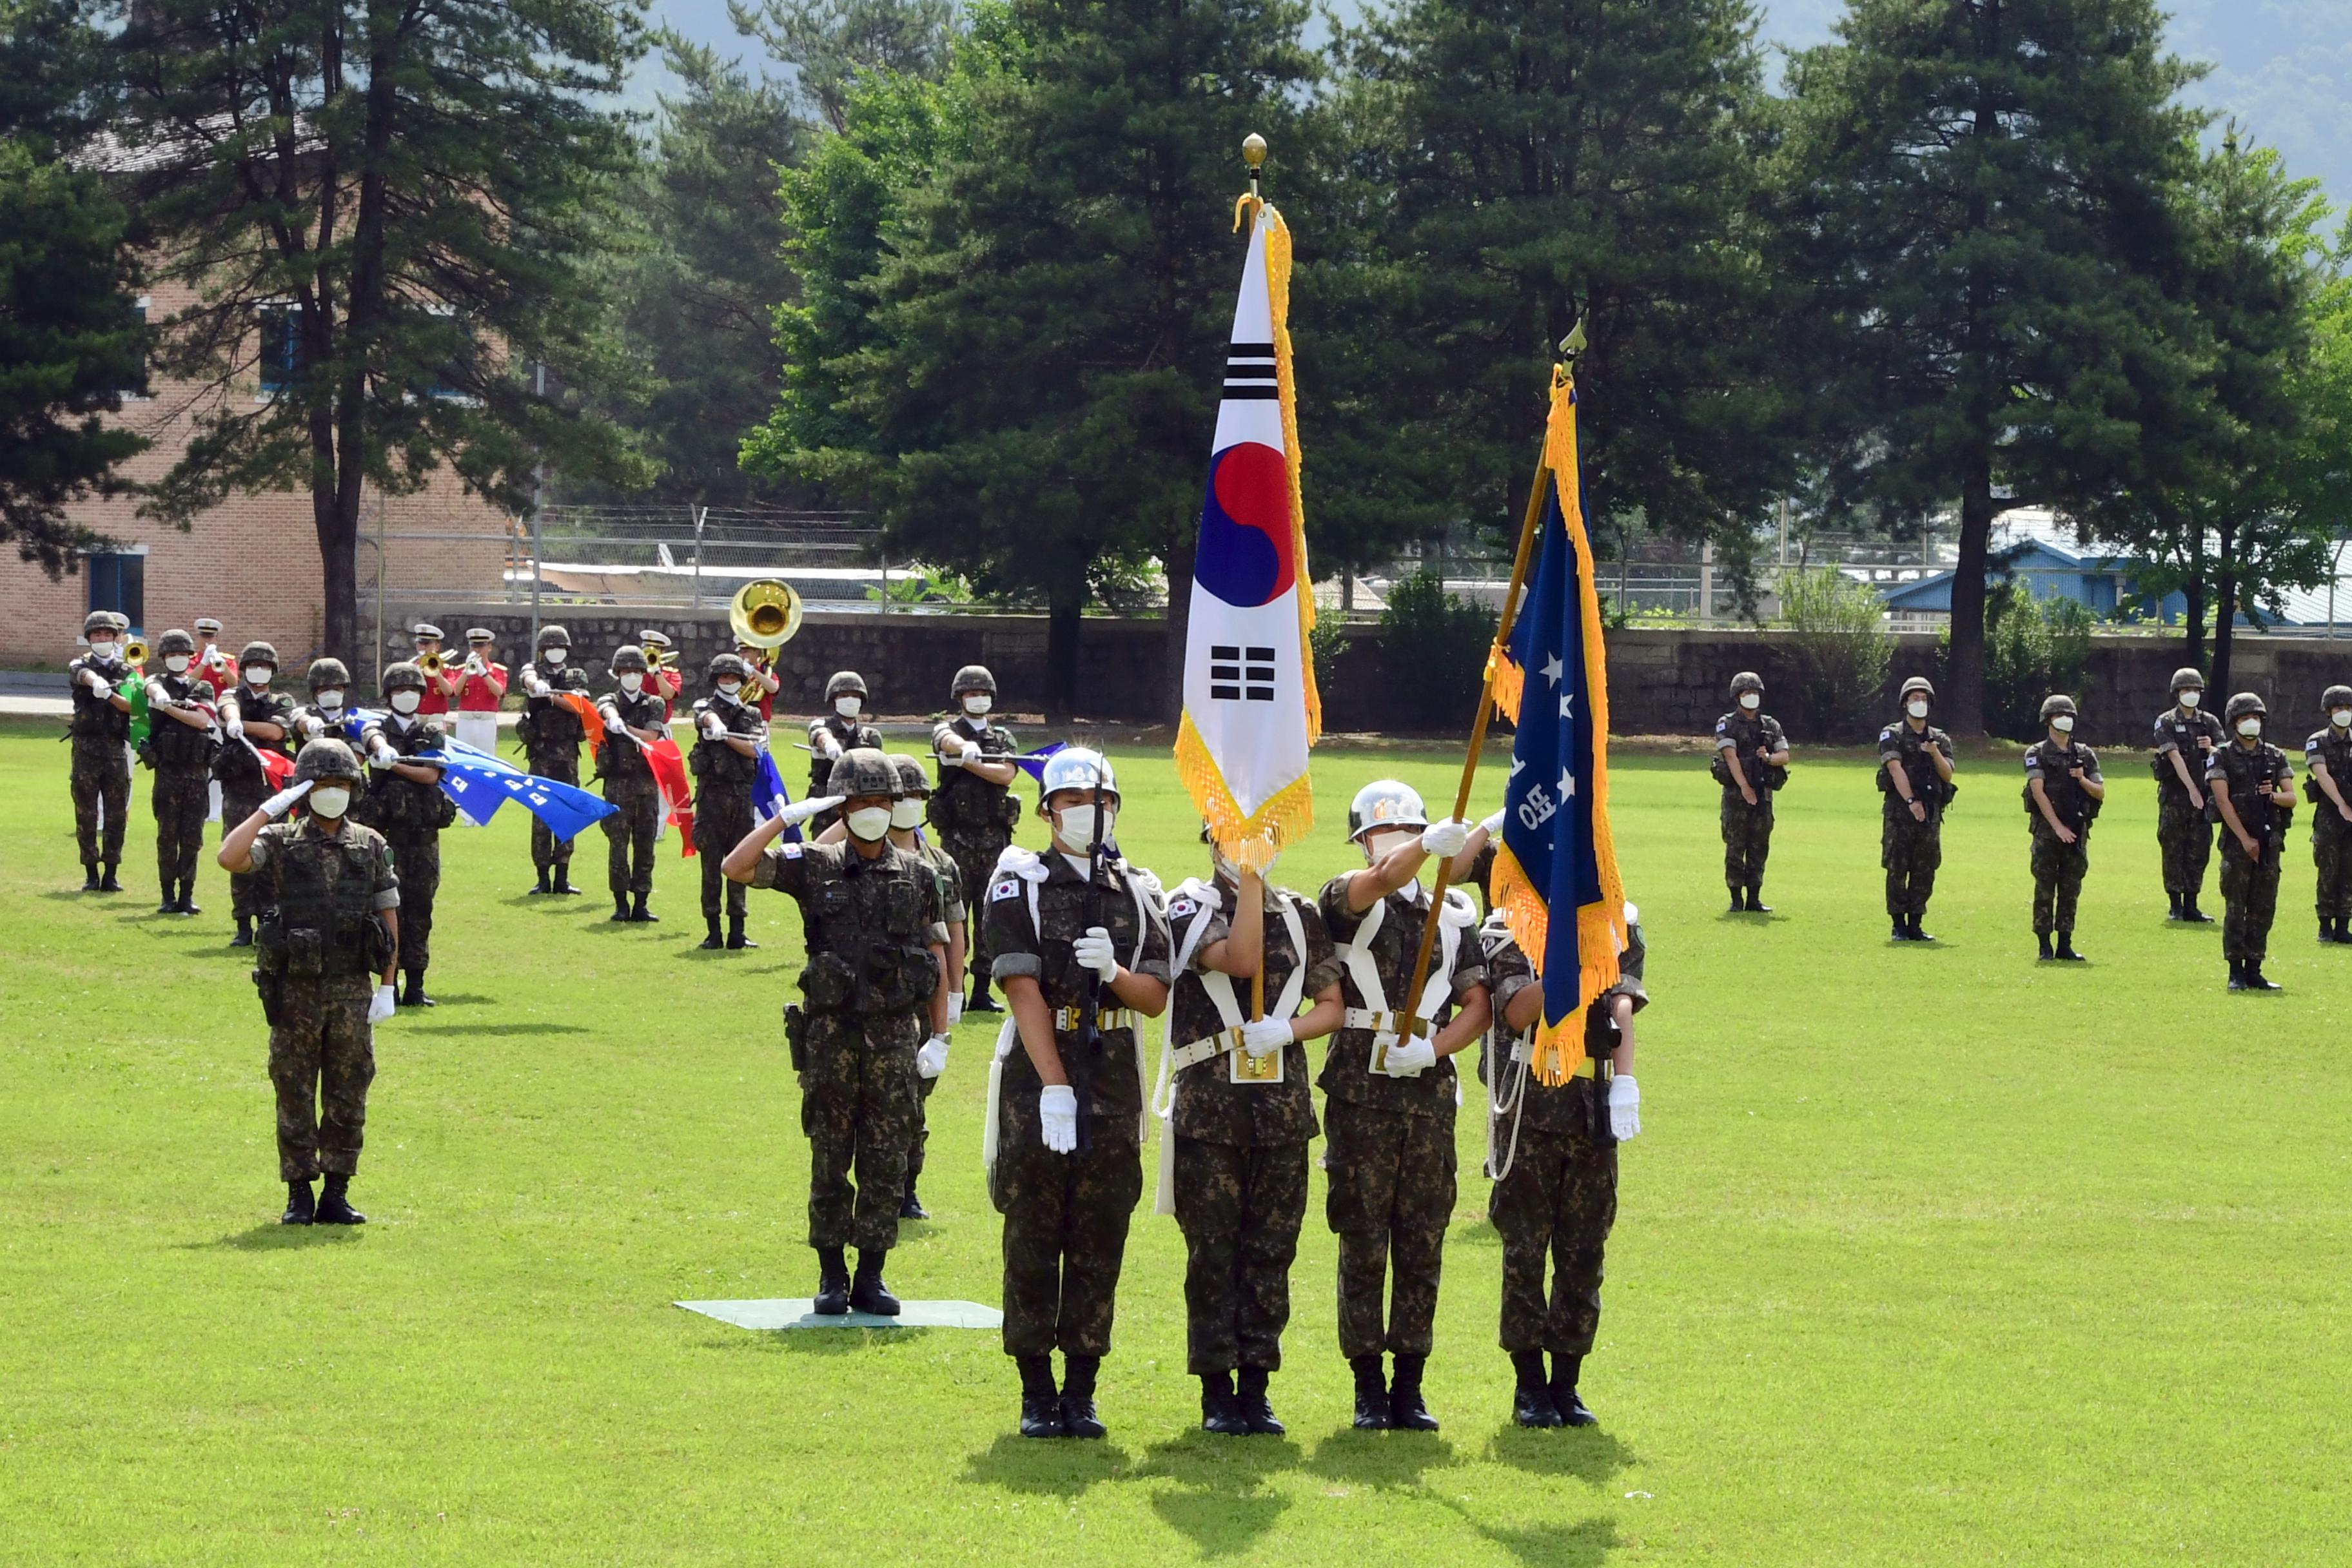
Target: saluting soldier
{"type": "Point", "coordinates": [183, 738]}
{"type": "Point", "coordinates": [975, 808]}
{"type": "Point", "coordinates": [1552, 1152]}
{"type": "Point", "coordinates": [2186, 739]}
{"type": "Point", "coordinates": [1915, 777]}
{"type": "Point", "coordinates": [1241, 1116]}
{"type": "Point", "coordinates": [2252, 790]}
{"type": "Point", "coordinates": [405, 803]}
{"type": "Point", "coordinates": [728, 740]}
{"type": "Point", "coordinates": [1065, 1120]}
{"type": "Point", "coordinates": [634, 717]}
{"type": "Point", "coordinates": [876, 940]}
{"type": "Point", "coordinates": [255, 720]}
{"type": "Point", "coordinates": [552, 733]}
{"type": "Point", "coordinates": [326, 950]}
{"type": "Point", "coordinates": [2327, 760]}
{"type": "Point", "coordinates": [1751, 764]}
{"type": "Point", "coordinates": [2063, 791]}
{"type": "Point", "coordinates": [1388, 1101]}
{"type": "Point", "coordinates": [100, 728]}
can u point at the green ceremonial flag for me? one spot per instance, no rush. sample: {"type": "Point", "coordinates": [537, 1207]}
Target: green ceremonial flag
{"type": "Point", "coordinates": [134, 691]}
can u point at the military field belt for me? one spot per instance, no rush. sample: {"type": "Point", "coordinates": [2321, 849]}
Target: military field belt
{"type": "Point", "coordinates": [1066, 1019]}
{"type": "Point", "coordinates": [1202, 1049]}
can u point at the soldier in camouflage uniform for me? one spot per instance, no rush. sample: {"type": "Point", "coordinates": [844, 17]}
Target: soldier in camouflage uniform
{"type": "Point", "coordinates": [2063, 794]}
{"type": "Point", "coordinates": [254, 720]}
{"type": "Point", "coordinates": [1067, 1122]}
{"type": "Point", "coordinates": [974, 809]}
{"type": "Point", "coordinates": [1240, 1150]}
{"type": "Point", "coordinates": [2252, 790]}
{"type": "Point", "coordinates": [405, 803]}
{"type": "Point", "coordinates": [877, 941]}
{"type": "Point", "coordinates": [2328, 762]}
{"type": "Point", "coordinates": [1751, 764]}
{"type": "Point", "coordinates": [1388, 1101]}
{"type": "Point", "coordinates": [100, 728]}
{"type": "Point", "coordinates": [729, 739]}
{"type": "Point", "coordinates": [1915, 778]}
{"type": "Point", "coordinates": [552, 733]}
{"type": "Point", "coordinates": [837, 731]}
{"type": "Point", "coordinates": [2186, 739]}
{"type": "Point", "coordinates": [327, 947]}
{"type": "Point", "coordinates": [1552, 1152]}
{"type": "Point", "coordinates": [636, 712]}
{"type": "Point", "coordinates": [183, 738]}
{"type": "Point", "coordinates": [327, 713]}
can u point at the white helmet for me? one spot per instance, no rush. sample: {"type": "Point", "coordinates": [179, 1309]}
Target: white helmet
{"type": "Point", "coordinates": [1078, 767]}
{"type": "Point", "coordinates": [1384, 803]}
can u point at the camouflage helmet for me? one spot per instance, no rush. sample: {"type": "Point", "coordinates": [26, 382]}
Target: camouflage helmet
{"type": "Point", "coordinates": [1747, 680]}
{"type": "Point", "coordinates": [405, 676]}
{"type": "Point", "coordinates": [326, 672]}
{"type": "Point", "coordinates": [2056, 703]}
{"type": "Point", "coordinates": [628, 657]}
{"type": "Point", "coordinates": [845, 683]}
{"type": "Point", "coordinates": [98, 621]}
{"type": "Point", "coordinates": [1076, 767]}
{"type": "Point", "coordinates": [552, 636]}
{"type": "Point", "coordinates": [1921, 684]}
{"type": "Point", "coordinates": [1384, 803]}
{"type": "Point", "coordinates": [2244, 703]}
{"type": "Point", "coordinates": [913, 782]}
{"type": "Point", "coordinates": [176, 640]}
{"type": "Point", "coordinates": [257, 653]}
{"type": "Point", "coordinates": [728, 664]}
{"type": "Point", "coordinates": [2184, 677]}
{"type": "Point", "coordinates": [326, 758]}
{"type": "Point", "coordinates": [972, 677]}
{"type": "Point", "coordinates": [2337, 696]}
{"type": "Point", "coordinates": [862, 771]}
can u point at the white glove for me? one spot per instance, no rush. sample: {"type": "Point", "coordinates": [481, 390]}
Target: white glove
{"type": "Point", "coordinates": [827, 746]}
{"type": "Point", "coordinates": [1494, 825]}
{"type": "Point", "coordinates": [1445, 839]}
{"type": "Point", "coordinates": [955, 1007]}
{"type": "Point", "coordinates": [1625, 1108]}
{"type": "Point", "coordinates": [381, 755]}
{"type": "Point", "coordinates": [234, 725]}
{"type": "Point", "coordinates": [933, 1060]}
{"type": "Point", "coordinates": [1264, 1036]}
{"type": "Point", "coordinates": [380, 1008]}
{"type": "Point", "coordinates": [613, 725]}
{"type": "Point", "coordinates": [711, 724]}
{"type": "Point", "coordinates": [1057, 1113]}
{"type": "Point", "coordinates": [94, 681]}
{"type": "Point", "coordinates": [1094, 951]}
{"type": "Point", "coordinates": [800, 811]}
{"type": "Point", "coordinates": [1405, 1059]}
{"type": "Point", "coordinates": [285, 797]}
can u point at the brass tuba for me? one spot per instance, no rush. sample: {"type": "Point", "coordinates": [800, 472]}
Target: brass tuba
{"type": "Point", "coordinates": [765, 613]}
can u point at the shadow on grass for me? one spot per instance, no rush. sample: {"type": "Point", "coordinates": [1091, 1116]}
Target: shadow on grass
{"type": "Point", "coordinates": [1385, 1460]}
{"type": "Point", "coordinates": [1587, 1453]}
{"type": "Point", "coordinates": [496, 1029]}
{"type": "Point", "coordinates": [459, 999]}
{"type": "Point", "coordinates": [1045, 1466]}
{"type": "Point", "coordinates": [835, 1341]}
{"type": "Point", "coordinates": [1221, 1502]}
{"type": "Point", "coordinates": [1577, 1546]}
{"type": "Point", "coordinates": [272, 1236]}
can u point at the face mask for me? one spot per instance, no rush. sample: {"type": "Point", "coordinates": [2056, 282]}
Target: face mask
{"type": "Point", "coordinates": [101, 648]}
{"type": "Point", "coordinates": [2250, 728]}
{"type": "Point", "coordinates": [1751, 700]}
{"type": "Point", "coordinates": [978, 706]}
{"type": "Point", "coordinates": [330, 700]}
{"type": "Point", "coordinates": [868, 823]}
{"type": "Point", "coordinates": [848, 707]}
{"type": "Point", "coordinates": [177, 664]}
{"type": "Point", "coordinates": [259, 676]}
{"type": "Point", "coordinates": [1917, 709]}
{"type": "Point", "coordinates": [2191, 698]}
{"type": "Point", "coordinates": [1075, 825]}
{"type": "Point", "coordinates": [330, 801]}
{"type": "Point", "coordinates": [631, 681]}
{"type": "Point", "coordinates": [406, 702]}
{"type": "Point", "coordinates": [906, 813]}
{"type": "Point", "coordinates": [2341, 718]}
{"type": "Point", "coordinates": [1379, 845]}
{"type": "Point", "coordinates": [552, 659]}
{"type": "Point", "coordinates": [2063, 723]}
{"type": "Point", "coordinates": [730, 687]}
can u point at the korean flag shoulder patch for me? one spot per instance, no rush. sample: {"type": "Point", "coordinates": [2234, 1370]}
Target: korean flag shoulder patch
{"type": "Point", "coordinates": [1005, 888]}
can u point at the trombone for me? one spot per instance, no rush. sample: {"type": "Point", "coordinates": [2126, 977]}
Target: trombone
{"type": "Point", "coordinates": [765, 613]}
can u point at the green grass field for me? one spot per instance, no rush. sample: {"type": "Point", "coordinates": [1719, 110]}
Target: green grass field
{"type": "Point", "coordinates": [1925, 1255]}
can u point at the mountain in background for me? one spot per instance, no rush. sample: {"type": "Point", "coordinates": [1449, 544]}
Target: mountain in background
{"type": "Point", "coordinates": [2283, 69]}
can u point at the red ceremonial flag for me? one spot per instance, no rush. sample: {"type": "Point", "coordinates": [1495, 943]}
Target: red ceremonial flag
{"type": "Point", "coordinates": [585, 710]}
{"type": "Point", "coordinates": [669, 772]}
{"type": "Point", "coordinates": [280, 769]}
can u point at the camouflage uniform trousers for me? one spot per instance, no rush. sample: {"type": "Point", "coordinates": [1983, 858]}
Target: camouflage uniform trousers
{"type": "Point", "coordinates": [1560, 1199]}
{"type": "Point", "coordinates": [975, 856]}
{"type": "Point", "coordinates": [1066, 1221]}
{"type": "Point", "coordinates": [2058, 872]}
{"type": "Point", "coordinates": [1747, 837]}
{"type": "Point", "coordinates": [1910, 851]}
{"type": "Point", "coordinates": [2186, 841]}
{"type": "Point", "coordinates": [417, 864]}
{"type": "Point", "coordinates": [719, 824]}
{"type": "Point", "coordinates": [1392, 1193]}
{"type": "Point", "coordinates": [321, 1060]}
{"type": "Point", "coordinates": [2331, 853]}
{"type": "Point", "coordinates": [857, 1102]}
{"type": "Point", "coordinates": [100, 777]}
{"type": "Point", "coordinates": [2250, 892]}
{"type": "Point", "coordinates": [1240, 1209]}
{"type": "Point", "coordinates": [629, 835]}
{"type": "Point", "coordinates": [238, 802]}
{"type": "Point", "coordinates": [920, 1143]}
{"type": "Point", "coordinates": [182, 798]}
{"type": "Point", "coordinates": [547, 851]}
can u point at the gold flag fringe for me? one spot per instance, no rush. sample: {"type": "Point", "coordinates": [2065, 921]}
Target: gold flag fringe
{"type": "Point", "coordinates": [1278, 283]}
{"type": "Point", "coordinates": [1248, 841]}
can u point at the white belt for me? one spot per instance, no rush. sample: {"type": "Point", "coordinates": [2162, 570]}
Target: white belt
{"type": "Point", "coordinates": [1380, 1022]}
{"type": "Point", "coordinates": [1202, 1049]}
{"type": "Point", "coordinates": [1066, 1019]}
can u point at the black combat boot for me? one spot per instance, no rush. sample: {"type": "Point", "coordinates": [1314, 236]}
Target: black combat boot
{"type": "Point", "coordinates": [1407, 1411]}
{"type": "Point", "coordinates": [89, 878]}
{"type": "Point", "coordinates": [2174, 913]}
{"type": "Point", "coordinates": [1901, 933]}
{"type": "Point", "coordinates": [1041, 1405]}
{"type": "Point", "coordinates": [1756, 904]}
{"type": "Point", "coordinates": [413, 996]}
{"type": "Point", "coordinates": [109, 883]}
{"type": "Point", "coordinates": [1257, 1409]}
{"type": "Point", "coordinates": [735, 941]}
{"type": "Point", "coordinates": [2326, 931]}
{"type": "Point", "coordinates": [2237, 975]}
{"type": "Point", "coordinates": [301, 1208]}
{"type": "Point", "coordinates": [1917, 934]}
{"type": "Point", "coordinates": [867, 1292]}
{"type": "Point", "coordinates": [1220, 1411]}
{"type": "Point", "coordinates": [979, 1001]}
{"type": "Point", "coordinates": [2256, 980]}
{"type": "Point", "coordinates": [1739, 901]}
{"type": "Point", "coordinates": [640, 915]}
{"type": "Point", "coordinates": [620, 907]}
{"type": "Point", "coordinates": [335, 1204]}
{"type": "Point", "coordinates": [562, 883]}
{"type": "Point", "coordinates": [188, 905]}
{"type": "Point", "coordinates": [243, 937]}
{"type": "Point", "coordinates": [1565, 1370]}
{"type": "Point", "coordinates": [1371, 1394]}
{"type": "Point", "coordinates": [714, 942]}
{"type": "Point", "coordinates": [1531, 1402]}
{"type": "Point", "coordinates": [540, 888]}
{"type": "Point", "coordinates": [171, 904]}
{"type": "Point", "coordinates": [2043, 937]}
{"type": "Point", "coordinates": [2066, 953]}
{"type": "Point", "coordinates": [1078, 1417]}
{"type": "Point", "coordinates": [831, 1283]}
{"type": "Point", "coordinates": [910, 1207]}
{"type": "Point", "coordinates": [2191, 913]}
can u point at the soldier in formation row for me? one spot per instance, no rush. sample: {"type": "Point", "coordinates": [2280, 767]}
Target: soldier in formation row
{"type": "Point", "coordinates": [1751, 764]}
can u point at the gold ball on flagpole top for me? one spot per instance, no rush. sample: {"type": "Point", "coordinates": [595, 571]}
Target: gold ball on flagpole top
{"type": "Point", "coordinates": [1253, 150]}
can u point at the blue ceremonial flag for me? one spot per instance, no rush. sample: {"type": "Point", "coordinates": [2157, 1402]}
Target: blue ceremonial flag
{"type": "Point", "coordinates": [769, 794]}
{"type": "Point", "coordinates": [1557, 855]}
{"type": "Point", "coordinates": [1034, 762]}
{"type": "Point", "coordinates": [480, 783]}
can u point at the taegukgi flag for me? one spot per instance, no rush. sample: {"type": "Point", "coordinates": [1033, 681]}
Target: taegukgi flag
{"type": "Point", "coordinates": [1251, 713]}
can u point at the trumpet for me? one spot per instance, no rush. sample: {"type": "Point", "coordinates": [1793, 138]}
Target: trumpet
{"type": "Point", "coordinates": [654, 656]}
{"type": "Point", "coordinates": [765, 613]}
{"type": "Point", "coordinates": [135, 652]}
{"type": "Point", "coordinates": [430, 663]}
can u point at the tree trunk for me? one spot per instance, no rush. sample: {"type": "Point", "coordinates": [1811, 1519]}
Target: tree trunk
{"type": "Point", "coordinates": [2193, 619]}
{"type": "Point", "coordinates": [339, 579]}
{"type": "Point", "coordinates": [1065, 603]}
{"type": "Point", "coordinates": [1177, 561]}
{"type": "Point", "coordinates": [2225, 615]}
{"type": "Point", "coordinates": [1963, 693]}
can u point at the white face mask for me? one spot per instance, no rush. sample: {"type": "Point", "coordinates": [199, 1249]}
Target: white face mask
{"type": "Point", "coordinates": [330, 801]}
{"type": "Point", "coordinates": [2341, 718]}
{"type": "Point", "coordinates": [1917, 709]}
{"type": "Point", "coordinates": [101, 648]}
{"type": "Point", "coordinates": [406, 702]}
{"type": "Point", "coordinates": [552, 659]}
{"type": "Point", "coordinates": [730, 687]}
{"type": "Point", "coordinates": [868, 823]}
{"type": "Point", "coordinates": [1379, 845]}
{"type": "Point", "coordinates": [2191, 697]}
{"type": "Point", "coordinates": [259, 676]}
{"type": "Point", "coordinates": [906, 814]}
{"type": "Point", "coordinates": [848, 707]}
{"type": "Point", "coordinates": [2250, 728]}
{"type": "Point", "coordinates": [330, 700]}
{"type": "Point", "coordinates": [1075, 825]}
{"type": "Point", "coordinates": [1751, 701]}
{"type": "Point", "coordinates": [978, 706]}
{"type": "Point", "coordinates": [2063, 723]}
{"type": "Point", "coordinates": [177, 664]}
{"type": "Point", "coordinates": [631, 681]}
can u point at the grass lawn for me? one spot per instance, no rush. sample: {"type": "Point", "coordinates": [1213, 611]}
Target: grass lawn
{"type": "Point", "coordinates": [1926, 1255]}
